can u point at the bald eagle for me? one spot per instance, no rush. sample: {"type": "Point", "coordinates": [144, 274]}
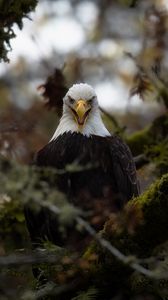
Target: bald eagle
{"type": "Point", "coordinates": [81, 138]}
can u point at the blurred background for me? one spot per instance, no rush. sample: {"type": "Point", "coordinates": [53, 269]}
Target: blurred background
{"type": "Point", "coordinates": [112, 45]}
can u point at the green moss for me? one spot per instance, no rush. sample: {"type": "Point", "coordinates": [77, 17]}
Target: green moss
{"type": "Point", "coordinates": [137, 230]}
{"type": "Point", "coordinates": [149, 136]}
{"type": "Point", "coordinates": [153, 142]}
{"type": "Point", "coordinates": [138, 141]}
{"type": "Point", "coordinates": [158, 154]}
{"type": "Point", "coordinates": [154, 207]}
{"type": "Point", "coordinates": [146, 215]}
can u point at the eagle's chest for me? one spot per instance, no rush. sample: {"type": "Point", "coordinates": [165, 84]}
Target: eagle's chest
{"type": "Point", "coordinates": [95, 172]}
{"type": "Point", "coordinates": [77, 150]}
{"type": "Point", "coordinates": [88, 168]}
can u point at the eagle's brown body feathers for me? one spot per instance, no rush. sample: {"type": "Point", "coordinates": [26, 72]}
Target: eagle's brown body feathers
{"type": "Point", "coordinates": [102, 180]}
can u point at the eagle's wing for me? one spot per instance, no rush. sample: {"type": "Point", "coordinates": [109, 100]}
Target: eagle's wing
{"type": "Point", "coordinates": [46, 156]}
{"type": "Point", "coordinates": [40, 223]}
{"type": "Point", "coordinates": [124, 170]}
{"type": "Point", "coordinates": [119, 159]}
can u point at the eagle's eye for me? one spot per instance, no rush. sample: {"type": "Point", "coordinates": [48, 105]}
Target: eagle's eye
{"type": "Point", "coordinates": [91, 100]}
{"type": "Point", "coordinates": [71, 100]}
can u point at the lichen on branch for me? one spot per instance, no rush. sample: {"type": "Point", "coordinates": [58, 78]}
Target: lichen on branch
{"type": "Point", "coordinates": [137, 232]}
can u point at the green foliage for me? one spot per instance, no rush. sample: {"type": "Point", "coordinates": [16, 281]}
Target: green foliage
{"type": "Point", "coordinates": [12, 12]}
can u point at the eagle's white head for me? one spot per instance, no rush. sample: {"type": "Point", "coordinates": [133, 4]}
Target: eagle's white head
{"type": "Point", "coordinates": [81, 112]}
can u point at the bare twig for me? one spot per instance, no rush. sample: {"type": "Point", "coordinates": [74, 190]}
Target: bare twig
{"type": "Point", "coordinates": [28, 259]}
{"type": "Point", "coordinates": [73, 168]}
{"type": "Point", "coordinates": [140, 160]}
{"type": "Point", "coordinates": [131, 261]}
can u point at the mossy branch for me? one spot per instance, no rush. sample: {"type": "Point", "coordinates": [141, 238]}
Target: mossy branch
{"type": "Point", "coordinates": [136, 232]}
{"type": "Point", "coordinates": [153, 142]}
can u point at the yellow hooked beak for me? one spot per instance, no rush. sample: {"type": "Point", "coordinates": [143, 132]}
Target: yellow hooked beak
{"type": "Point", "coordinates": [81, 111]}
